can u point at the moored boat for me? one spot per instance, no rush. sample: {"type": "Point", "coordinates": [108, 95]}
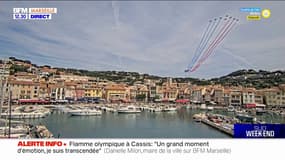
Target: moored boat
{"type": "Point", "coordinates": [129, 109]}
{"type": "Point", "coordinates": [169, 109]}
{"type": "Point", "coordinates": [231, 109]}
{"type": "Point", "coordinates": [246, 118]}
{"type": "Point", "coordinates": [198, 117]}
{"type": "Point", "coordinates": [210, 108]}
{"type": "Point", "coordinates": [260, 111]}
{"type": "Point", "coordinates": [86, 112]}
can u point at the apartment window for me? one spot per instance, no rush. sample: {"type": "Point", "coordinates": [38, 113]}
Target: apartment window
{"type": "Point", "coordinates": [28, 92]}
{"type": "Point", "coordinates": [22, 92]}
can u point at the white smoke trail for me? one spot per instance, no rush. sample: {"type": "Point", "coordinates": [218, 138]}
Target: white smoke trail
{"type": "Point", "coordinates": [241, 59]}
{"type": "Point", "coordinates": [116, 13]}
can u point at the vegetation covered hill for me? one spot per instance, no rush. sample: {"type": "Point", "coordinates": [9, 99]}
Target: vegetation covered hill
{"type": "Point", "coordinates": [248, 78]}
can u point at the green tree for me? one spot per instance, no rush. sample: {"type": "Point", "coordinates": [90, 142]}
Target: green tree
{"type": "Point", "coordinates": [18, 68]}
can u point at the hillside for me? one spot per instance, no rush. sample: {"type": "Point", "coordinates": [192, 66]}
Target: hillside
{"type": "Point", "coordinates": [247, 78]}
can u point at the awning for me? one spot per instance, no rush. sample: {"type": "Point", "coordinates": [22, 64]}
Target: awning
{"type": "Point", "coordinates": [182, 101]}
{"type": "Point", "coordinates": [165, 100]}
{"type": "Point", "coordinates": [250, 105]}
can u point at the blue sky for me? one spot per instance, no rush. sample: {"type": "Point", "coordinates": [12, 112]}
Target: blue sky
{"type": "Point", "coordinates": [148, 37]}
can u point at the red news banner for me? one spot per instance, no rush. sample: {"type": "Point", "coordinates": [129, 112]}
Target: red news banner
{"type": "Point", "coordinates": [40, 143]}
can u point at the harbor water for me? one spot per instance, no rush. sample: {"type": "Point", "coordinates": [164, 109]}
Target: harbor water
{"type": "Point", "coordinates": [178, 124]}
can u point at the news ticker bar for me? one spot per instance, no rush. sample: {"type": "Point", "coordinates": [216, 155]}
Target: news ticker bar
{"type": "Point", "coordinates": [74, 149]}
{"type": "Point", "coordinates": [33, 13]}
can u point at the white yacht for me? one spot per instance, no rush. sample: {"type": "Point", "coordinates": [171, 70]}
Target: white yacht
{"type": "Point", "coordinates": [129, 109]}
{"type": "Point", "coordinates": [199, 117]}
{"type": "Point", "coordinates": [155, 109]}
{"type": "Point", "coordinates": [77, 110]}
{"type": "Point", "coordinates": [86, 112]}
{"type": "Point", "coordinates": [203, 107]}
{"type": "Point", "coordinates": [169, 109]}
{"type": "Point", "coordinates": [210, 108]}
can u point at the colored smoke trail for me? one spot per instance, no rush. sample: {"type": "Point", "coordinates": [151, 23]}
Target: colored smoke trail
{"type": "Point", "coordinates": [208, 43]}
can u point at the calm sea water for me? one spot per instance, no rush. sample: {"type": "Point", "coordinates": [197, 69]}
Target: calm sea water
{"type": "Point", "coordinates": [143, 125]}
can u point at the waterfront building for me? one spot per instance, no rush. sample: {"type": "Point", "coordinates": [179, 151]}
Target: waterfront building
{"type": "Point", "coordinates": [184, 91]}
{"type": "Point", "coordinates": [57, 91]}
{"type": "Point", "coordinates": [258, 97]}
{"type": "Point", "coordinates": [79, 91]}
{"type": "Point", "coordinates": [159, 93]}
{"type": "Point", "coordinates": [281, 95]}
{"type": "Point", "coordinates": [197, 94]}
{"type": "Point", "coordinates": [207, 96]}
{"type": "Point", "coordinates": [227, 97]}
{"type": "Point", "coordinates": [70, 90]}
{"type": "Point", "coordinates": [218, 95]}
{"type": "Point", "coordinates": [270, 95]}
{"type": "Point", "coordinates": [44, 90]}
{"type": "Point", "coordinates": [93, 92]}
{"type": "Point", "coordinates": [170, 94]}
{"type": "Point", "coordinates": [115, 92]}
{"type": "Point", "coordinates": [236, 97]}
{"type": "Point", "coordinates": [248, 96]}
{"type": "Point", "coordinates": [131, 93]}
{"type": "Point", "coordinates": [142, 93]}
{"type": "Point", "coordinates": [24, 89]}
{"type": "Point", "coordinates": [152, 92]}
{"type": "Point", "coordinates": [170, 90]}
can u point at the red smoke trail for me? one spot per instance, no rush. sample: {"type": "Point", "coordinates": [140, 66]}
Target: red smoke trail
{"type": "Point", "coordinates": [223, 32]}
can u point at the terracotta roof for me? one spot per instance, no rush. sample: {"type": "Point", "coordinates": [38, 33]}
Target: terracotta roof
{"type": "Point", "coordinates": [22, 73]}
{"type": "Point", "coordinates": [70, 84]}
{"type": "Point", "coordinates": [273, 89]}
{"type": "Point", "coordinates": [24, 82]}
{"type": "Point", "coordinates": [249, 90]}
